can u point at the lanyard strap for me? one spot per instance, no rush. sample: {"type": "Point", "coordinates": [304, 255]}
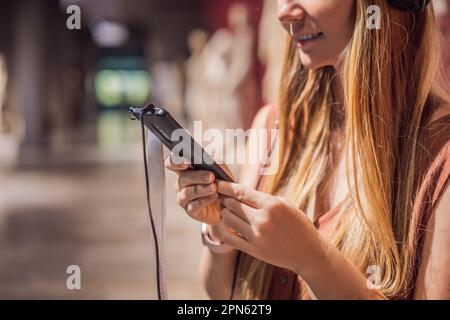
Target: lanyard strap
{"type": "Point", "coordinates": [155, 191]}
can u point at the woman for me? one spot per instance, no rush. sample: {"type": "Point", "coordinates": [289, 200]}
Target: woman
{"type": "Point", "coordinates": [442, 9]}
{"type": "Point", "coordinates": [364, 153]}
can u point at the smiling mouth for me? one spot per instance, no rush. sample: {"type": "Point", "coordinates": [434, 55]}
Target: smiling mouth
{"type": "Point", "coordinates": [303, 39]}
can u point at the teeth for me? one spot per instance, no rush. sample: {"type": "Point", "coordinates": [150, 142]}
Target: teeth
{"type": "Point", "coordinates": [308, 37]}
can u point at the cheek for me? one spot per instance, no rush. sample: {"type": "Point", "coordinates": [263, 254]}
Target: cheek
{"type": "Point", "coordinates": [336, 19]}
{"type": "Point", "coordinates": [338, 41]}
{"type": "Point", "coordinates": [338, 26]}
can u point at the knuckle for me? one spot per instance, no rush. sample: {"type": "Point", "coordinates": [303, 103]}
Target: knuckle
{"type": "Point", "coordinates": [202, 190]}
{"type": "Point", "coordinates": [208, 189]}
{"type": "Point", "coordinates": [180, 199]}
{"type": "Point", "coordinates": [190, 209]}
{"type": "Point", "coordinates": [179, 181]}
{"type": "Point", "coordinates": [241, 193]}
{"type": "Point", "coordinates": [193, 177]}
{"type": "Point", "coordinates": [183, 180]}
{"type": "Point", "coordinates": [184, 193]}
{"type": "Point", "coordinates": [225, 216]}
{"type": "Point", "coordinates": [227, 202]}
{"type": "Point", "coordinates": [193, 190]}
{"type": "Point", "coordinates": [263, 225]}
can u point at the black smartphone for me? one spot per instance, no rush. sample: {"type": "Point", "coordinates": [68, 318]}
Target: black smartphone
{"type": "Point", "coordinates": [163, 125]}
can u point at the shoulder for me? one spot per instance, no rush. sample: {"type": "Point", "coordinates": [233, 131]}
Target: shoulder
{"type": "Point", "coordinates": [264, 116]}
{"type": "Point", "coordinates": [433, 280]}
{"type": "Point", "coordinates": [438, 143]}
{"type": "Point", "coordinates": [434, 276]}
{"type": "Point", "coordinates": [435, 175]}
{"type": "Point", "coordinates": [442, 211]}
{"type": "Point", "coordinates": [249, 171]}
{"type": "Point", "coordinates": [433, 203]}
{"type": "Point", "coordinates": [441, 110]}
{"type": "Point", "coordinates": [434, 143]}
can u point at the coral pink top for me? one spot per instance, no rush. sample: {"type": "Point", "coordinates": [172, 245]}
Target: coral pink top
{"type": "Point", "coordinates": [434, 161]}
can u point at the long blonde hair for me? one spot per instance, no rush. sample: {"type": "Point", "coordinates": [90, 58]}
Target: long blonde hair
{"type": "Point", "coordinates": [389, 79]}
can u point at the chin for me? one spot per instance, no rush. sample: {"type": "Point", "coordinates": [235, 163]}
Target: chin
{"type": "Point", "coordinates": [311, 62]}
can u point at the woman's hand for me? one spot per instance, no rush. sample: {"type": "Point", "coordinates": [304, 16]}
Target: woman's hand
{"type": "Point", "coordinates": [273, 230]}
{"type": "Point", "coordinates": [196, 192]}
{"type": "Point", "coordinates": [269, 228]}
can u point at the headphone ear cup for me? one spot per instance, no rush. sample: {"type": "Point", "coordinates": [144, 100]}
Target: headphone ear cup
{"type": "Point", "coordinates": [409, 5]}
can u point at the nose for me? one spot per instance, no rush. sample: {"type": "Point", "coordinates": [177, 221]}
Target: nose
{"type": "Point", "coordinates": [290, 11]}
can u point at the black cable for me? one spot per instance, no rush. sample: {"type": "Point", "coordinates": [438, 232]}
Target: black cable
{"type": "Point", "coordinates": [152, 222]}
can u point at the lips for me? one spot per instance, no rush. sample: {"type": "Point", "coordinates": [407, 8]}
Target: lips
{"type": "Point", "coordinates": [309, 37]}
{"type": "Point", "coordinates": [307, 41]}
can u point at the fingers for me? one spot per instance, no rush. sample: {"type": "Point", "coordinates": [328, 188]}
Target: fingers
{"type": "Point", "coordinates": [194, 208]}
{"type": "Point", "coordinates": [234, 222]}
{"type": "Point", "coordinates": [242, 193]}
{"type": "Point", "coordinates": [191, 193]}
{"type": "Point", "coordinates": [240, 209]}
{"type": "Point", "coordinates": [220, 161]}
{"type": "Point", "coordinates": [174, 164]}
{"type": "Point", "coordinates": [232, 239]}
{"type": "Point", "coordinates": [194, 177]}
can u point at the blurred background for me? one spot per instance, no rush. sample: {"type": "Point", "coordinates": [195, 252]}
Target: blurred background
{"type": "Point", "coordinates": [72, 186]}
{"type": "Point", "coordinates": [71, 173]}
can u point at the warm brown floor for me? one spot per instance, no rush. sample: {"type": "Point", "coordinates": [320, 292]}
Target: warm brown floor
{"type": "Point", "coordinates": [94, 217]}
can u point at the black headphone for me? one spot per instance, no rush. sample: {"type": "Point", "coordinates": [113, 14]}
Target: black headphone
{"type": "Point", "coordinates": [409, 5]}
